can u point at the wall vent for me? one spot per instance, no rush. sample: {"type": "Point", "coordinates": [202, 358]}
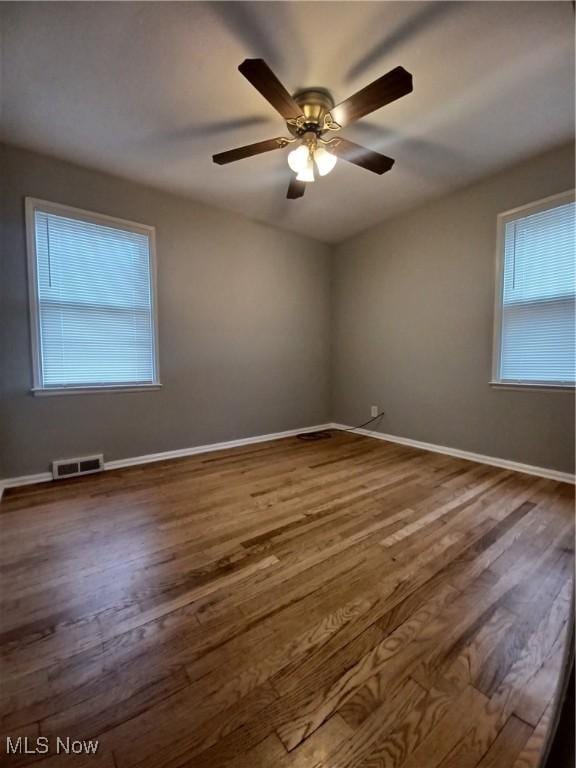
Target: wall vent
{"type": "Point", "coordinates": [86, 465]}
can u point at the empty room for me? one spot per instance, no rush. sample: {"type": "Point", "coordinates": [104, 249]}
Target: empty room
{"type": "Point", "coordinates": [287, 377]}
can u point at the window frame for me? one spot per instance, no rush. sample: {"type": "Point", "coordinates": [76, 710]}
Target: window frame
{"type": "Point", "coordinates": [503, 218]}
{"type": "Point", "coordinates": [32, 205]}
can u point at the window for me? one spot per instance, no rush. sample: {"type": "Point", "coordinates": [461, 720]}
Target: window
{"type": "Point", "coordinates": [92, 298]}
{"type": "Point", "coordinates": [535, 300]}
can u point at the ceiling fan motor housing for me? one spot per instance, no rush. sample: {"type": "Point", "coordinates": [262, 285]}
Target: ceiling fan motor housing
{"type": "Point", "coordinates": [315, 104]}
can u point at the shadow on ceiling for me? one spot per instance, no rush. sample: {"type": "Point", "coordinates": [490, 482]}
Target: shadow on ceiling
{"type": "Point", "coordinates": [430, 158]}
{"type": "Point", "coordinates": [257, 26]}
{"type": "Point", "coordinates": [199, 130]}
{"type": "Point", "coordinates": [417, 23]}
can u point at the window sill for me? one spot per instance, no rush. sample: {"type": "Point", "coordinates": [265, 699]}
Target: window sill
{"type": "Point", "coordinates": [54, 391]}
{"type": "Point", "coordinates": [532, 387]}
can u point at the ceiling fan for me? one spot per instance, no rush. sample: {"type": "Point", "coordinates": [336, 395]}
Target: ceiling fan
{"type": "Point", "coordinates": [310, 114]}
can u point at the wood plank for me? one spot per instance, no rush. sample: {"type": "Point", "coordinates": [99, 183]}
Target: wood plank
{"type": "Point", "coordinates": [348, 602]}
{"type": "Point", "coordinates": [302, 723]}
{"type": "Point", "coordinates": [508, 744]}
{"type": "Point", "coordinates": [542, 685]}
{"type": "Point", "coordinates": [406, 735]}
{"type": "Point", "coordinates": [531, 754]}
{"type": "Point", "coordinates": [449, 731]}
{"type": "Point", "coordinates": [378, 725]}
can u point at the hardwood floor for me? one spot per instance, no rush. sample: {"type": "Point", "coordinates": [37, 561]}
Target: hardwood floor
{"type": "Point", "coordinates": [347, 603]}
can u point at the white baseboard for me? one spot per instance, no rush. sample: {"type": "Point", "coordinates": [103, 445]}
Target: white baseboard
{"type": "Point", "coordinates": [44, 477]}
{"type": "Point", "coordinates": [516, 466]}
{"type": "Point", "coordinates": [16, 482]}
{"type": "Point", "coordinates": [164, 455]}
{"type": "Point", "coordinates": [551, 474]}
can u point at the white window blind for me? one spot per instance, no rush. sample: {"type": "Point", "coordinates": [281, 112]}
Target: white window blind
{"type": "Point", "coordinates": [94, 302]}
{"type": "Point", "coordinates": [538, 282]}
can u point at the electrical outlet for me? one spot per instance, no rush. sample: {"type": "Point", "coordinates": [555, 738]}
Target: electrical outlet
{"type": "Point", "coordinates": [373, 411]}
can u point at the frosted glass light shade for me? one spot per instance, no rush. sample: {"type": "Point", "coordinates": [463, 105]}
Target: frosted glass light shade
{"type": "Point", "coordinates": [307, 173]}
{"type": "Point", "coordinates": [325, 161]}
{"type": "Point", "coordinates": [299, 158]}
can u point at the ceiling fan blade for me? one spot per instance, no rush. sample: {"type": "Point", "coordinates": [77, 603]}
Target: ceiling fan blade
{"type": "Point", "coordinates": [259, 74]}
{"type": "Point", "coordinates": [386, 89]}
{"type": "Point", "coordinates": [295, 188]}
{"type": "Point", "coordinates": [249, 150]}
{"type": "Point", "coordinates": [365, 158]}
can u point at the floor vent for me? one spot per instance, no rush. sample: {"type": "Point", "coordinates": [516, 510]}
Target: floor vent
{"type": "Point", "coordinates": [82, 466]}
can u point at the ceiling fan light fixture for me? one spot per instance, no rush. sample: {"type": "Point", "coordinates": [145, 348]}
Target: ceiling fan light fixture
{"type": "Point", "coordinates": [325, 161]}
{"type": "Point", "coordinates": [299, 158]}
{"type": "Point", "coordinates": [307, 173]}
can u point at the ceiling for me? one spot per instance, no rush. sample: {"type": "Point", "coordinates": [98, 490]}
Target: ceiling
{"type": "Point", "coordinates": [151, 90]}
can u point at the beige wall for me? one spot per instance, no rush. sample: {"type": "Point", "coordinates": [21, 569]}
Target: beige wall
{"type": "Point", "coordinates": [243, 327]}
{"type": "Point", "coordinates": [412, 326]}
{"type": "Point", "coordinates": [260, 333]}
